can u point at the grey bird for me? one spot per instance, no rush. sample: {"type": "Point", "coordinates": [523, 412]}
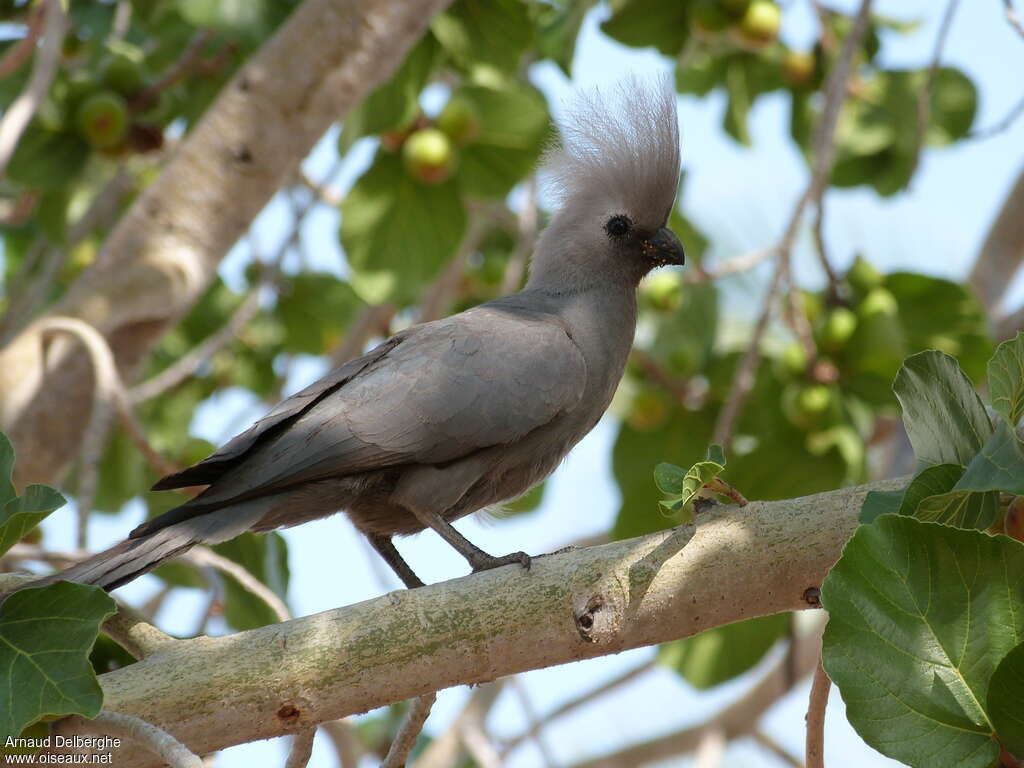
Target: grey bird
{"type": "Point", "coordinates": [448, 417]}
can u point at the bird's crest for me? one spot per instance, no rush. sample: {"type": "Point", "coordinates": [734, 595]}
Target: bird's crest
{"type": "Point", "coordinates": [624, 140]}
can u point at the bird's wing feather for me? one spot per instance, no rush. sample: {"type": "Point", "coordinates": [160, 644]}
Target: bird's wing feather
{"type": "Point", "coordinates": [452, 387]}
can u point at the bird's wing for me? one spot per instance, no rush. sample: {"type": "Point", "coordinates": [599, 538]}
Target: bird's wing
{"type": "Point", "coordinates": [444, 390]}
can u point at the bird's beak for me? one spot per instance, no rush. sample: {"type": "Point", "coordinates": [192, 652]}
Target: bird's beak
{"type": "Point", "coordinates": [664, 248]}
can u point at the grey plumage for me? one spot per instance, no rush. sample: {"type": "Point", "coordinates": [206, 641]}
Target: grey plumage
{"type": "Point", "coordinates": [450, 416]}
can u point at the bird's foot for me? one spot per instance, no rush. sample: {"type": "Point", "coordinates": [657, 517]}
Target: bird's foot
{"type": "Point", "coordinates": [485, 562]}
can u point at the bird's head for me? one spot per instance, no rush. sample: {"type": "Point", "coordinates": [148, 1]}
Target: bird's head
{"type": "Point", "coordinates": [614, 172]}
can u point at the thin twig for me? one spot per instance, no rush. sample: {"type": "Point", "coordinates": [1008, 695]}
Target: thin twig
{"type": "Point", "coordinates": [179, 69]}
{"type": "Point", "coordinates": [795, 316]}
{"type": "Point", "coordinates": [823, 159]}
{"type": "Point", "coordinates": [776, 749]}
{"type": "Point", "coordinates": [535, 726]}
{"type": "Point", "coordinates": [815, 757]}
{"type": "Point", "coordinates": [818, 230]}
{"type": "Point", "coordinates": [711, 750]}
{"type": "Point", "coordinates": [445, 750]}
{"type": "Point", "coordinates": [577, 701]}
{"type": "Point", "coordinates": [410, 730]}
{"type": "Point", "coordinates": [157, 741]}
{"type": "Point", "coordinates": [1002, 126]}
{"type": "Point", "coordinates": [479, 746]}
{"type": "Point", "coordinates": [743, 263]}
{"type": "Point", "coordinates": [301, 749]}
{"type": "Point", "coordinates": [527, 223]}
{"type": "Point", "coordinates": [18, 115]}
{"type": "Point", "coordinates": [201, 556]}
{"type": "Point", "coordinates": [924, 97]}
{"type": "Point", "coordinates": [1013, 18]}
{"type": "Point", "coordinates": [347, 746]}
{"type": "Point", "coordinates": [19, 53]}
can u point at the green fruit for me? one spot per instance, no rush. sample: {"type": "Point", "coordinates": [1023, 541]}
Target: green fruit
{"type": "Point", "coordinates": [123, 74]}
{"type": "Point", "coordinates": [709, 18]}
{"type": "Point", "coordinates": [879, 301]}
{"type": "Point", "coordinates": [793, 359]}
{"type": "Point", "coordinates": [429, 156]}
{"type": "Point", "coordinates": [102, 119]}
{"type": "Point", "coordinates": [862, 275]}
{"type": "Point", "coordinates": [735, 8]}
{"type": "Point", "coordinates": [798, 68]}
{"type": "Point", "coordinates": [839, 327]}
{"type": "Point", "coordinates": [760, 24]}
{"type": "Point", "coordinates": [663, 291]}
{"type": "Point", "coordinates": [813, 306]}
{"type": "Point", "coordinates": [459, 120]}
{"type": "Point", "coordinates": [809, 407]}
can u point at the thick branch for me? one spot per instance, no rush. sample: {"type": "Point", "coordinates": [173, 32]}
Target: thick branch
{"type": "Point", "coordinates": [735, 564]}
{"type": "Point", "coordinates": [1002, 252]}
{"type": "Point", "coordinates": [323, 60]}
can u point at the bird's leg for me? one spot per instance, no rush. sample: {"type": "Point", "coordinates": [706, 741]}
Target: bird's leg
{"type": "Point", "coordinates": [394, 559]}
{"type": "Point", "coordinates": [478, 559]}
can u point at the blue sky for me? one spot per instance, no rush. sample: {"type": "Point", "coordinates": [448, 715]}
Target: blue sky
{"type": "Point", "coordinates": [741, 198]}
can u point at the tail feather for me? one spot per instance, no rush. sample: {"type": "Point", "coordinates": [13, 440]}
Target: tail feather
{"type": "Point", "coordinates": [133, 557]}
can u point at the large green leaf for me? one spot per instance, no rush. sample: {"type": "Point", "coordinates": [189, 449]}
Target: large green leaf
{"type": "Point", "coordinates": [999, 465]}
{"type": "Point", "coordinates": [514, 125]}
{"type": "Point", "coordinates": [20, 514]}
{"type": "Point", "coordinates": [315, 310]}
{"type": "Point", "coordinates": [722, 653]}
{"type": "Point", "coordinates": [1006, 700]}
{"type": "Point", "coordinates": [945, 419]}
{"type": "Point", "coordinates": [46, 634]}
{"type": "Point", "coordinates": [397, 232]}
{"type": "Point", "coordinates": [920, 615]}
{"type": "Point", "coordinates": [641, 23]}
{"type": "Point", "coordinates": [493, 33]}
{"type": "Point", "coordinates": [1006, 379]}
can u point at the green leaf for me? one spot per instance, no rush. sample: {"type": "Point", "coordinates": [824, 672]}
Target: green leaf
{"type": "Point", "coordinates": [945, 419]}
{"type": "Point", "coordinates": [45, 637]}
{"type": "Point", "coordinates": [493, 33]}
{"type": "Point", "coordinates": [1005, 696]}
{"type": "Point", "coordinates": [954, 102]}
{"type": "Point", "coordinates": [740, 101]}
{"type": "Point", "coordinates": [641, 23]}
{"type": "Point", "coordinates": [396, 232]}
{"type": "Point", "coordinates": [999, 465]}
{"type": "Point", "coordinates": [19, 515]}
{"type": "Point", "coordinates": [682, 486]}
{"type": "Point", "coordinates": [961, 509]}
{"type": "Point", "coordinates": [930, 481]}
{"type": "Point", "coordinates": [514, 124]}
{"type": "Point", "coordinates": [558, 27]}
{"type": "Point", "coordinates": [315, 310]}
{"type": "Point", "coordinates": [878, 503]}
{"type": "Point", "coordinates": [920, 615]}
{"type": "Point", "coordinates": [702, 73]}
{"type": "Point", "coordinates": [47, 159]}
{"type": "Point", "coordinates": [722, 653]}
{"type": "Point", "coordinates": [395, 104]}
{"type": "Point", "coordinates": [1006, 379]}
{"type": "Point", "coordinates": [266, 558]}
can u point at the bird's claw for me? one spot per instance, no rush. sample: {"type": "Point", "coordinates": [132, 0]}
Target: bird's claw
{"type": "Point", "coordinates": [487, 562]}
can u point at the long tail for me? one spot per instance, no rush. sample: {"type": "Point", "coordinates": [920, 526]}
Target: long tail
{"type": "Point", "coordinates": [132, 558]}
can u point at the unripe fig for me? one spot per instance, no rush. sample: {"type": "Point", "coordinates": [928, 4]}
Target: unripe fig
{"type": "Point", "coordinates": [459, 120]}
{"type": "Point", "coordinates": [878, 301]}
{"type": "Point", "coordinates": [102, 119]}
{"type": "Point", "coordinates": [862, 275]}
{"type": "Point", "coordinates": [662, 291]}
{"type": "Point", "coordinates": [798, 68]}
{"type": "Point", "coordinates": [429, 156]}
{"type": "Point", "coordinates": [839, 327]}
{"type": "Point", "coordinates": [760, 24]}
{"type": "Point", "coordinates": [123, 74]}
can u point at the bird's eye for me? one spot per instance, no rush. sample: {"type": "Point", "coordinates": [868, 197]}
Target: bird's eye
{"type": "Point", "coordinates": [617, 226]}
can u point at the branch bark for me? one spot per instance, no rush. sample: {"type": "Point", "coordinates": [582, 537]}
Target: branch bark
{"type": "Point", "coordinates": [322, 61]}
{"type": "Point", "coordinates": [1002, 252]}
{"type": "Point", "coordinates": [735, 564]}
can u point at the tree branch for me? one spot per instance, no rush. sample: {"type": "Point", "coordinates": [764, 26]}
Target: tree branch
{"type": "Point", "coordinates": [164, 251]}
{"type": "Point", "coordinates": [1002, 252]}
{"type": "Point", "coordinates": [18, 115]}
{"type": "Point", "coordinates": [406, 737]}
{"type": "Point", "coordinates": [171, 751]}
{"type": "Point", "coordinates": [815, 753]}
{"type": "Point", "coordinates": [735, 564]}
